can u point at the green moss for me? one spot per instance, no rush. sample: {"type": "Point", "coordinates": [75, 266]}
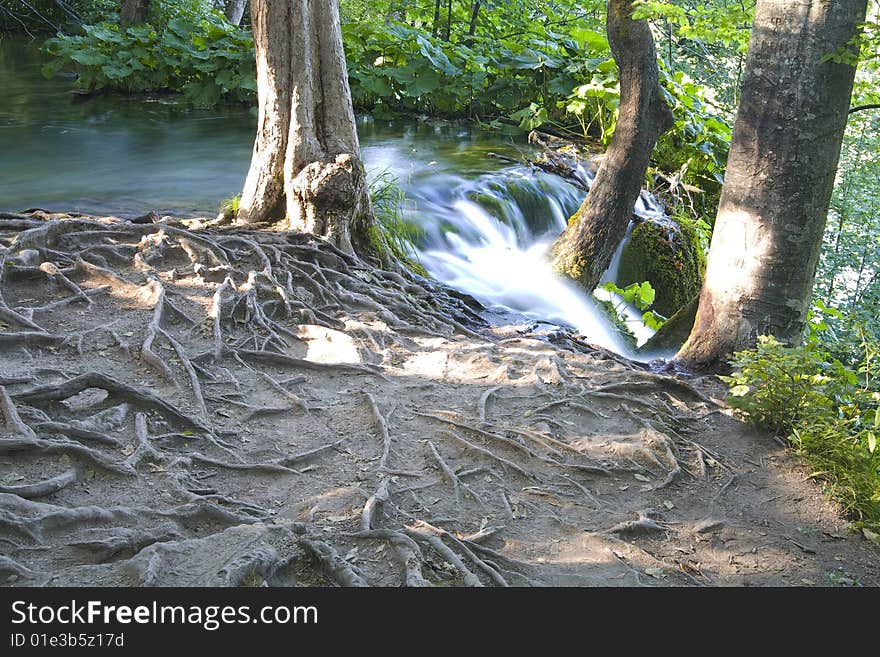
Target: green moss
{"type": "Point", "coordinates": [667, 255]}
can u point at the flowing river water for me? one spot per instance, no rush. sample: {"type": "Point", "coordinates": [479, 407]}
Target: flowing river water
{"type": "Point", "coordinates": [486, 227]}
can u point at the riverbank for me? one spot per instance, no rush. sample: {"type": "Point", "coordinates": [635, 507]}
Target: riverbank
{"type": "Point", "coordinates": [195, 407]}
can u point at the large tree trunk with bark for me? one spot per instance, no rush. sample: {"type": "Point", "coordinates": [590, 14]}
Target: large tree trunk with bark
{"type": "Point", "coordinates": [234, 11]}
{"type": "Point", "coordinates": [780, 175]}
{"type": "Point", "coordinates": [133, 12]}
{"type": "Point", "coordinates": [584, 251]}
{"type": "Point", "coordinates": [305, 172]}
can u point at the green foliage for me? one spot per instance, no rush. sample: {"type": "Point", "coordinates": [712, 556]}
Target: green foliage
{"type": "Point", "coordinates": [642, 296]}
{"type": "Point", "coordinates": [829, 412]}
{"type": "Point", "coordinates": [229, 207]}
{"type": "Point", "coordinates": [204, 57]}
{"type": "Point", "coordinates": [543, 64]}
{"type": "Point", "coordinates": [398, 234]}
{"type": "Point", "coordinates": [722, 22]}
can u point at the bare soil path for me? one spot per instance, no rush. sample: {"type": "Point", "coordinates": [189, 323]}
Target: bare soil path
{"type": "Point", "coordinates": [194, 407]}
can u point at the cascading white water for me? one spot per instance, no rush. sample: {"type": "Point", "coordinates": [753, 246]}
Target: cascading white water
{"type": "Point", "coordinates": [490, 237]}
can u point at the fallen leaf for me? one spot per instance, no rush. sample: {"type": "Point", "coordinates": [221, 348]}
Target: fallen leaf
{"type": "Point", "coordinates": [668, 504]}
{"type": "Point", "coordinates": [874, 537]}
{"type": "Point", "coordinates": [641, 477]}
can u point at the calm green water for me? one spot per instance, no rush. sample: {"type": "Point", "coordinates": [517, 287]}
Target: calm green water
{"type": "Point", "coordinates": [112, 154]}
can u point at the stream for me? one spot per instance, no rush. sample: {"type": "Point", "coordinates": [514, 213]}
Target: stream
{"type": "Point", "coordinates": [486, 227]}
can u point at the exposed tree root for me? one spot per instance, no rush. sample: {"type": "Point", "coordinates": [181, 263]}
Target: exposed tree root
{"type": "Point", "coordinates": [506, 463]}
{"type": "Point", "coordinates": [374, 504]}
{"type": "Point", "coordinates": [449, 474]}
{"type": "Point", "coordinates": [382, 424]}
{"type": "Point", "coordinates": [644, 525]}
{"type": "Point", "coordinates": [408, 554]}
{"type": "Point", "coordinates": [43, 488]}
{"type": "Point", "coordinates": [334, 566]}
{"type": "Point", "coordinates": [162, 385]}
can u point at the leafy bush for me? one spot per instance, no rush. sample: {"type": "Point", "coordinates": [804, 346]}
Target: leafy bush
{"type": "Point", "coordinates": [206, 59]}
{"type": "Point", "coordinates": [642, 296]}
{"type": "Point", "coordinates": [829, 412]}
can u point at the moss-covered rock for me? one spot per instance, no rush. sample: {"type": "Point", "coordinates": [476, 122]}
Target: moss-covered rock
{"type": "Point", "coordinates": [668, 256]}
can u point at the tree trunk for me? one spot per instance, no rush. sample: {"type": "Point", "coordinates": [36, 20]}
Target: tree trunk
{"type": "Point", "coordinates": [780, 175]}
{"type": "Point", "coordinates": [305, 172]}
{"type": "Point", "coordinates": [448, 34]}
{"type": "Point", "coordinates": [584, 251]}
{"type": "Point", "coordinates": [234, 11]}
{"type": "Point", "coordinates": [475, 15]}
{"type": "Point", "coordinates": [133, 12]}
{"type": "Point", "coordinates": [435, 30]}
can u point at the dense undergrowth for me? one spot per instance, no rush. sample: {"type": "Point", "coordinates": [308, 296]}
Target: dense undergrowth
{"type": "Point", "coordinates": [824, 397]}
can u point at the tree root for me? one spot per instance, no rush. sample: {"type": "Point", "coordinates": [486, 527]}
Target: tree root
{"type": "Point", "coordinates": [335, 567]}
{"type": "Point", "coordinates": [271, 467]}
{"type": "Point", "coordinates": [484, 400]}
{"type": "Point", "coordinates": [374, 503]}
{"type": "Point", "coordinates": [419, 533]}
{"type": "Point", "coordinates": [449, 474]}
{"type": "Point", "coordinates": [43, 488]}
{"type": "Point", "coordinates": [489, 454]}
{"type": "Point", "coordinates": [456, 421]}
{"type": "Point", "coordinates": [382, 424]}
{"type": "Point", "coordinates": [408, 554]}
{"type": "Point", "coordinates": [643, 526]}
{"type": "Point", "coordinates": [58, 392]}
{"type": "Point", "coordinates": [106, 544]}
{"type": "Point", "coordinates": [39, 446]}
{"type": "Point", "coordinates": [487, 569]}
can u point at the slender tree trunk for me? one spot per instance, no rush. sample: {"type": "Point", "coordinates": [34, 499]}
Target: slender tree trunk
{"type": "Point", "coordinates": [234, 11]}
{"type": "Point", "coordinates": [133, 12]}
{"type": "Point", "coordinates": [435, 30]}
{"type": "Point", "coordinates": [780, 175]}
{"type": "Point", "coordinates": [448, 33]}
{"type": "Point", "coordinates": [305, 172]}
{"type": "Point", "coordinates": [584, 251]}
{"type": "Point", "coordinates": [475, 15]}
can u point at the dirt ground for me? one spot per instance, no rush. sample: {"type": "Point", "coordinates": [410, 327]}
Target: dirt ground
{"type": "Point", "coordinates": [198, 407]}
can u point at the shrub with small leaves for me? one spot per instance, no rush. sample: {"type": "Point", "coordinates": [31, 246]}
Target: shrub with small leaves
{"type": "Point", "coordinates": [828, 412]}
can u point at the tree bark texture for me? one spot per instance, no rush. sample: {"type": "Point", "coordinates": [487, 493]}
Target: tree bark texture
{"type": "Point", "coordinates": [584, 251]}
{"type": "Point", "coordinates": [234, 11]}
{"type": "Point", "coordinates": [133, 12]}
{"type": "Point", "coordinates": [305, 171]}
{"type": "Point", "coordinates": [780, 175]}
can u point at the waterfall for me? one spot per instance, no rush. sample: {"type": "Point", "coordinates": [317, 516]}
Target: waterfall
{"type": "Point", "coordinates": [490, 237]}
